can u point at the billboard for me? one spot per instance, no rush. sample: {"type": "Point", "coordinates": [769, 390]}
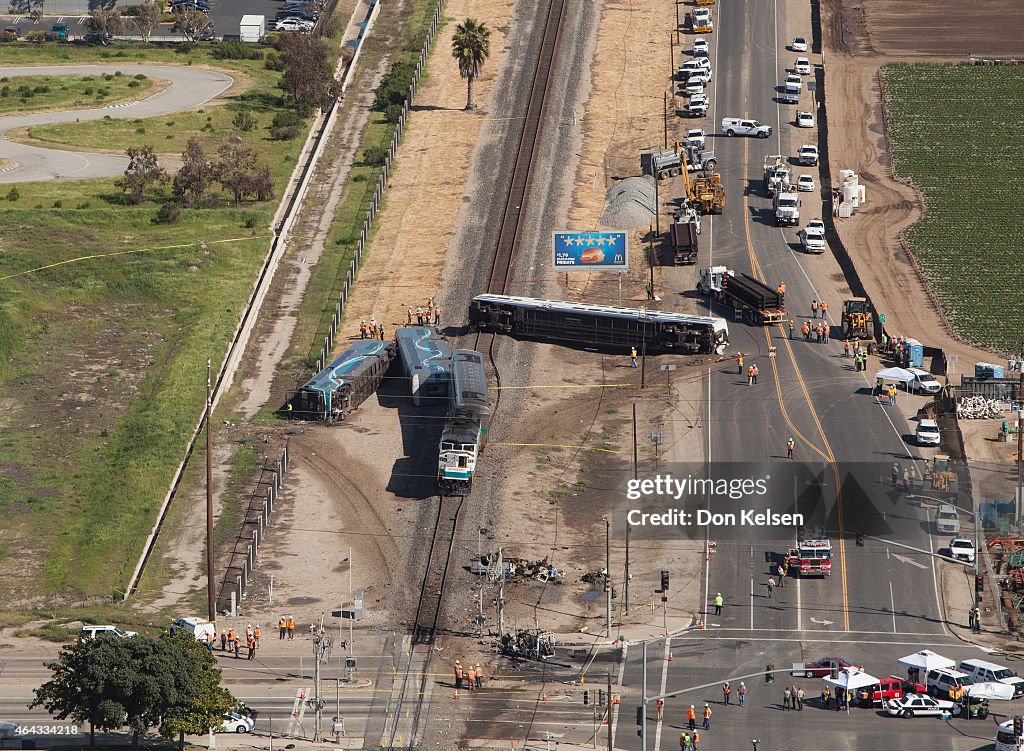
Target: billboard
{"type": "Point", "coordinates": [589, 251]}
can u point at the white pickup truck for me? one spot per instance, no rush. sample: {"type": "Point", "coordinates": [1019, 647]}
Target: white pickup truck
{"type": "Point", "coordinates": [737, 126]}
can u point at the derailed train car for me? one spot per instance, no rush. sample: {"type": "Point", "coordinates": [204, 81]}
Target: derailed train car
{"type": "Point", "coordinates": [604, 327]}
{"type": "Point", "coordinates": [427, 362]}
{"type": "Point", "coordinates": [344, 384]}
{"type": "Point", "coordinates": [465, 431]}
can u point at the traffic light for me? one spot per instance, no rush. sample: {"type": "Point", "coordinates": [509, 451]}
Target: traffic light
{"type": "Point", "coordinates": [600, 697]}
{"type": "Point", "coordinates": [586, 697]}
{"type": "Point", "coordinates": [979, 583]}
{"type": "Point", "coordinates": [664, 581]}
{"type": "Point", "coordinates": [640, 721]}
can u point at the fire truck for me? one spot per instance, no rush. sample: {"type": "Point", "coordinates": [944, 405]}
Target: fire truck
{"type": "Point", "coordinates": [810, 558]}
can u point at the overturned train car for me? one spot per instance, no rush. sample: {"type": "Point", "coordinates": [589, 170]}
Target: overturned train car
{"type": "Point", "coordinates": [344, 384]}
{"type": "Point", "coordinates": [604, 327]}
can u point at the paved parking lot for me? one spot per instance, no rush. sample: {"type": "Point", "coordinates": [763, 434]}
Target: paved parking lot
{"type": "Point", "coordinates": [225, 14]}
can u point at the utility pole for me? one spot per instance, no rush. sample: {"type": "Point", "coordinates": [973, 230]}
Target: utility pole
{"type": "Point", "coordinates": [608, 676]}
{"type": "Point", "coordinates": [480, 589]}
{"type": "Point", "coordinates": [608, 575]}
{"type": "Point", "coordinates": [626, 577]}
{"type": "Point", "coordinates": [349, 663]}
{"type": "Point", "coordinates": [501, 594]}
{"type": "Point", "coordinates": [1020, 436]}
{"type": "Point", "coordinates": [635, 469]}
{"type": "Point", "coordinates": [321, 652]}
{"type": "Point", "coordinates": [211, 601]}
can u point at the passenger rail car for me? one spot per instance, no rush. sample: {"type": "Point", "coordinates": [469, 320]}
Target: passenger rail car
{"type": "Point", "coordinates": [605, 327]}
{"type": "Point", "coordinates": [344, 384]}
{"type": "Point", "coordinates": [427, 363]}
{"type": "Point", "coordinates": [465, 431]}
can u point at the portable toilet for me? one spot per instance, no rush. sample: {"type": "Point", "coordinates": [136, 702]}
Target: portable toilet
{"type": "Point", "coordinates": [851, 195]}
{"type": "Point", "coordinates": [988, 370]}
{"type": "Point", "coordinates": [915, 353]}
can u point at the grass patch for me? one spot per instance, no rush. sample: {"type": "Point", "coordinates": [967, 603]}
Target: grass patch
{"type": "Point", "coordinates": [104, 357]}
{"type": "Point", "coordinates": [955, 132]}
{"type": "Point", "coordinates": [29, 93]}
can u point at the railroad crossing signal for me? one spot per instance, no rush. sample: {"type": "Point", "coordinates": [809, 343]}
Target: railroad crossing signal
{"type": "Point", "coordinates": [664, 581]}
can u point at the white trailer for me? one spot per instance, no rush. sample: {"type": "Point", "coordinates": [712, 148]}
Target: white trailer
{"type": "Point", "coordinates": [252, 28]}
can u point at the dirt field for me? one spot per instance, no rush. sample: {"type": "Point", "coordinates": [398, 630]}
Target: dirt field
{"type": "Point", "coordinates": [923, 27]}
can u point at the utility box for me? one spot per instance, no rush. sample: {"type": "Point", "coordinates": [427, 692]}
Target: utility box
{"type": "Point", "coordinates": [252, 28]}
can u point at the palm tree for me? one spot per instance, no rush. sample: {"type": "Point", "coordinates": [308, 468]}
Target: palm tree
{"type": "Point", "coordinates": [471, 44]}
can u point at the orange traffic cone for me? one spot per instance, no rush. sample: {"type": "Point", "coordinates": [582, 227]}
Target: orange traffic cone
{"type": "Point", "coordinates": [670, 656]}
{"type": "Point", "coordinates": [543, 696]}
{"type": "Point", "coordinates": [456, 694]}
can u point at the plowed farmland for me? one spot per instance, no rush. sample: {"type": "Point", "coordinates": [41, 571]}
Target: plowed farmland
{"type": "Point", "coordinates": [955, 132]}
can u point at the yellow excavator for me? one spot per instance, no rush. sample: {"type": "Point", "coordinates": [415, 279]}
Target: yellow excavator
{"type": "Point", "coordinates": [706, 192]}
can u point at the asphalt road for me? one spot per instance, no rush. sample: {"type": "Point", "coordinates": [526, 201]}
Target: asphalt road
{"type": "Point", "coordinates": [190, 87]}
{"type": "Point", "coordinates": [875, 607]}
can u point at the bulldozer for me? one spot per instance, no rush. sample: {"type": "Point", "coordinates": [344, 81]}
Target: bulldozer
{"type": "Point", "coordinates": [858, 319]}
{"type": "Point", "coordinates": [705, 192]}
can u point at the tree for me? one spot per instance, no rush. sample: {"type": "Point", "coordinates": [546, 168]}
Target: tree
{"type": "Point", "coordinates": [143, 171]}
{"type": "Point", "coordinates": [192, 23]}
{"type": "Point", "coordinates": [147, 17]}
{"type": "Point", "coordinates": [197, 174]}
{"type": "Point", "coordinates": [240, 173]}
{"type": "Point", "coordinates": [141, 682]}
{"type": "Point", "coordinates": [105, 23]}
{"type": "Point", "coordinates": [308, 78]}
{"type": "Point", "coordinates": [471, 44]}
{"type": "Point", "coordinates": [31, 8]}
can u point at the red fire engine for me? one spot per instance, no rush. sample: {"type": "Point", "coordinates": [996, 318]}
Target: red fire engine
{"type": "Point", "coordinates": [811, 558]}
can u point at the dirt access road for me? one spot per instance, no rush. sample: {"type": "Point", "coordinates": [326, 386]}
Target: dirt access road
{"type": "Point", "coordinates": [858, 38]}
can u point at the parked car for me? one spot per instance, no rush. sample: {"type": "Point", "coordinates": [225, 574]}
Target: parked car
{"type": "Point", "coordinates": [808, 155]}
{"type": "Point", "coordinates": [802, 66]}
{"type": "Point", "coordinates": [923, 382]}
{"type": "Point", "coordinates": [812, 240]}
{"type": "Point", "coordinates": [927, 434]}
{"type": "Point", "coordinates": [823, 668]}
{"type": "Point", "coordinates": [914, 705]}
{"type": "Point", "coordinates": [700, 47]}
{"type": "Point", "coordinates": [887, 689]}
{"type": "Point", "coordinates": [961, 549]}
{"type": "Point", "coordinates": [294, 24]}
{"type": "Point", "coordinates": [95, 632]}
{"type": "Point", "coordinates": [693, 87]}
{"type": "Point", "coordinates": [232, 722]}
{"type": "Point", "coordinates": [696, 137]}
{"type": "Point", "coordinates": [947, 520]}
{"type": "Point", "coordinates": [940, 682]}
{"type": "Point", "coordinates": [200, 628]}
{"type": "Point", "coordinates": [805, 184]}
{"type": "Point", "coordinates": [816, 225]}
{"type": "Point", "coordinates": [804, 120]}
{"type": "Point", "coordinates": [989, 672]}
{"type": "Point", "coordinates": [799, 45]}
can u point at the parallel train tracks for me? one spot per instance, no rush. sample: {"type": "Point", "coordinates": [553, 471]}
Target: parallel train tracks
{"type": "Point", "coordinates": [415, 683]}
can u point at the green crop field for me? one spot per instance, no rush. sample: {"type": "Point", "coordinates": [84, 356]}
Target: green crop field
{"type": "Point", "coordinates": [956, 133]}
{"type": "Point", "coordinates": [108, 313]}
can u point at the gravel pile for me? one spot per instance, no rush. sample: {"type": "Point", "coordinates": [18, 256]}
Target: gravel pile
{"type": "Point", "coordinates": [631, 204]}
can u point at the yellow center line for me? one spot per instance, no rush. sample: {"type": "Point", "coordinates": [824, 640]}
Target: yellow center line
{"type": "Point", "coordinates": [828, 454]}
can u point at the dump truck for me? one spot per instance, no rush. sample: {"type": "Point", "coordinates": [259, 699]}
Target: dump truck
{"type": "Point", "coordinates": [700, 22]}
{"type": "Point", "coordinates": [705, 2]}
{"type": "Point", "coordinates": [696, 156]}
{"type": "Point", "coordinates": [776, 173]}
{"type": "Point", "coordinates": [660, 163]}
{"type": "Point", "coordinates": [858, 320]}
{"type": "Point", "coordinates": [750, 298]}
{"type": "Point", "coordinates": [684, 242]}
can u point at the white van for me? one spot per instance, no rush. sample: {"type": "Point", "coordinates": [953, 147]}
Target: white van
{"type": "Point", "coordinates": [201, 629]}
{"type": "Point", "coordinates": [699, 65]}
{"type": "Point", "coordinates": [988, 672]}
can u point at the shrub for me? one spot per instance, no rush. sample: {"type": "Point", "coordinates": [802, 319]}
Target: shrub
{"type": "Point", "coordinates": [273, 62]}
{"type": "Point", "coordinates": [41, 90]}
{"type": "Point", "coordinates": [169, 213]}
{"type": "Point", "coordinates": [58, 204]}
{"type": "Point", "coordinates": [244, 121]}
{"type": "Point", "coordinates": [285, 133]}
{"type": "Point", "coordinates": [393, 113]}
{"type": "Point", "coordinates": [87, 91]}
{"type": "Point", "coordinates": [8, 36]}
{"type": "Point", "coordinates": [140, 76]}
{"type": "Point", "coordinates": [281, 119]}
{"type": "Point", "coordinates": [13, 195]}
{"type": "Point", "coordinates": [185, 47]}
{"type": "Point", "coordinates": [394, 86]}
{"type": "Point", "coordinates": [134, 84]}
{"type": "Point", "coordinates": [235, 51]}
{"type": "Point", "coordinates": [251, 222]}
{"type": "Point", "coordinates": [374, 156]}
{"type": "Point", "coordinates": [140, 131]}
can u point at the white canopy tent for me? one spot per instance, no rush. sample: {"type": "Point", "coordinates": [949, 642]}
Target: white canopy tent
{"type": "Point", "coordinates": [851, 679]}
{"type": "Point", "coordinates": [895, 374]}
{"type": "Point", "coordinates": [990, 690]}
{"type": "Point", "coordinates": [926, 660]}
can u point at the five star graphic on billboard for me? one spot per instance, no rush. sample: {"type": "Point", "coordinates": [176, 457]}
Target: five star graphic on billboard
{"type": "Point", "coordinates": [590, 251]}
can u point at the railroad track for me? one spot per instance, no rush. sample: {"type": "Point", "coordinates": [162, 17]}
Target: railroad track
{"type": "Point", "coordinates": [415, 683]}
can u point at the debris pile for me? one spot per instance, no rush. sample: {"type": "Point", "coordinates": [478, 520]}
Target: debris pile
{"type": "Point", "coordinates": [978, 408]}
{"type": "Point", "coordinates": [528, 644]}
{"type": "Point", "coordinates": [497, 567]}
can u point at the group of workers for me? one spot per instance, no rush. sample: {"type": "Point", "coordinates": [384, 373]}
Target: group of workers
{"type": "Point", "coordinates": [820, 330]}
{"type": "Point", "coordinates": [469, 677]}
{"type": "Point", "coordinates": [231, 640]}
{"type": "Point", "coordinates": [371, 330]}
{"type": "Point", "coordinates": [423, 315]}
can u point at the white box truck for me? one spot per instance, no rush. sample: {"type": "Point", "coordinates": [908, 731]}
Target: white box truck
{"type": "Point", "coordinates": [252, 28]}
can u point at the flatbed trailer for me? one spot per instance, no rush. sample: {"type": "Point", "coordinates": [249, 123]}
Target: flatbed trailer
{"type": "Point", "coordinates": [758, 303]}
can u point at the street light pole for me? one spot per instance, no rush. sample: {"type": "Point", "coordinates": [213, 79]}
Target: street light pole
{"type": "Point", "coordinates": [608, 575]}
